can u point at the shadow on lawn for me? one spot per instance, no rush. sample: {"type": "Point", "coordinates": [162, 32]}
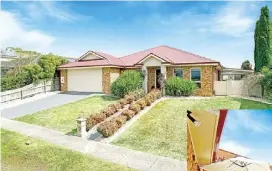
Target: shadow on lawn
{"type": "Point", "coordinates": [110, 98]}
{"type": "Point", "coordinates": [249, 104]}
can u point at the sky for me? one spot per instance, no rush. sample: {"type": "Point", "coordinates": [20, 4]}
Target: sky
{"type": "Point", "coordinates": [222, 31]}
{"type": "Point", "coordinates": [248, 133]}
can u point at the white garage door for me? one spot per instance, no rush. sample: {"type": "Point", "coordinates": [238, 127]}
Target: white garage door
{"type": "Point", "coordinates": [85, 80]}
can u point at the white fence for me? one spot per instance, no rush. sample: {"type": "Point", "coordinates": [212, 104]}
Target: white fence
{"type": "Point", "coordinates": [237, 88]}
{"type": "Point", "coordinates": [30, 90]}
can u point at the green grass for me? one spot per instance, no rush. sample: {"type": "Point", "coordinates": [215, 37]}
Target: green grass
{"type": "Point", "coordinates": [63, 118]}
{"type": "Point", "coordinates": [249, 104]}
{"type": "Point", "coordinates": [40, 155]}
{"type": "Point", "coordinates": [163, 130]}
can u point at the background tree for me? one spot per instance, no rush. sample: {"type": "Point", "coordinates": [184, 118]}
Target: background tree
{"type": "Point", "coordinates": [33, 73]}
{"type": "Point", "coordinates": [26, 70]}
{"type": "Point", "coordinates": [262, 50]}
{"type": "Point", "coordinates": [246, 65]}
{"type": "Point", "coordinates": [49, 64]}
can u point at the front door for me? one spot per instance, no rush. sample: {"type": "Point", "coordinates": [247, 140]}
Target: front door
{"type": "Point", "coordinates": [158, 71]}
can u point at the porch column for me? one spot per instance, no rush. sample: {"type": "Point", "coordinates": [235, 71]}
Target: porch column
{"type": "Point", "coordinates": [144, 69]}
{"type": "Point", "coordinates": [163, 70]}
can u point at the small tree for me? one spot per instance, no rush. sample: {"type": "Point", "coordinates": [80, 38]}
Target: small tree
{"type": "Point", "coordinates": [33, 73]}
{"type": "Point", "coordinates": [246, 65]}
{"type": "Point", "coordinates": [49, 63]}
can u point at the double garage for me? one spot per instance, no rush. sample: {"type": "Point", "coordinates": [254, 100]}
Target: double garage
{"type": "Point", "coordinates": [94, 80]}
{"type": "Point", "coordinates": [84, 80]}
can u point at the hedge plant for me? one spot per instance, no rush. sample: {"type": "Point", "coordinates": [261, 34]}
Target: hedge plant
{"type": "Point", "coordinates": [108, 128]}
{"type": "Point", "coordinates": [267, 85]}
{"type": "Point", "coordinates": [129, 81]}
{"type": "Point", "coordinates": [176, 86]}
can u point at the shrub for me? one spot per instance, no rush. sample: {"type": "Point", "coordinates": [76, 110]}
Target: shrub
{"type": "Point", "coordinates": [108, 128]}
{"type": "Point", "coordinates": [156, 94]}
{"type": "Point", "coordinates": [95, 119]}
{"type": "Point", "coordinates": [142, 103]}
{"type": "Point", "coordinates": [129, 114]}
{"type": "Point", "coordinates": [151, 97]}
{"type": "Point", "coordinates": [127, 82]}
{"type": "Point", "coordinates": [251, 82]}
{"type": "Point", "coordinates": [117, 105]}
{"type": "Point", "coordinates": [112, 107]}
{"type": "Point", "coordinates": [130, 98]}
{"type": "Point", "coordinates": [139, 93]}
{"type": "Point", "coordinates": [176, 86]}
{"type": "Point", "coordinates": [123, 102]}
{"type": "Point", "coordinates": [120, 120]}
{"type": "Point", "coordinates": [267, 84]}
{"type": "Point", "coordinates": [148, 100]}
{"type": "Point", "coordinates": [110, 110]}
{"type": "Point", "coordinates": [135, 107]}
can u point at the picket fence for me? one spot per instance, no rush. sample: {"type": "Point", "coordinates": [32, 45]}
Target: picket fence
{"type": "Point", "coordinates": [30, 90]}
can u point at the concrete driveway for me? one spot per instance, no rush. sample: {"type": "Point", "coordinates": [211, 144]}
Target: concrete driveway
{"type": "Point", "coordinates": [42, 104]}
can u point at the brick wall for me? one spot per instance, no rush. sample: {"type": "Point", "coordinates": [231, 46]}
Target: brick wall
{"type": "Point", "coordinates": [151, 73]}
{"type": "Point", "coordinates": [206, 78]}
{"type": "Point", "coordinates": [106, 78]}
{"type": "Point", "coordinates": [63, 86]}
{"type": "Point", "coordinates": [191, 159]}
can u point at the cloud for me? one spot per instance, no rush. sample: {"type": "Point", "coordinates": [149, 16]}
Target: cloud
{"type": "Point", "coordinates": [235, 147]}
{"type": "Point", "coordinates": [249, 120]}
{"type": "Point", "coordinates": [16, 34]}
{"type": "Point", "coordinates": [234, 19]}
{"type": "Point", "coordinates": [41, 9]}
{"type": "Point", "coordinates": [57, 11]}
{"type": "Point", "coordinates": [256, 153]}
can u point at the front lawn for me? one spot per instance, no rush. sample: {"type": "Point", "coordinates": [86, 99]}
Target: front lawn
{"type": "Point", "coordinates": [40, 155]}
{"type": "Point", "coordinates": [163, 130]}
{"type": "Point", "coordinates": [249, 104]}
{"type": "Point", "coordinates": [63, 118]}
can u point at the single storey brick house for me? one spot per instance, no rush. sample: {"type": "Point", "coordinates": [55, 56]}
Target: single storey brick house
{"type": "Point", "coordinates": [95, 71]}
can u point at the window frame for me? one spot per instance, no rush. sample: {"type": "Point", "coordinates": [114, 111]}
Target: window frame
{"type": "Point", "coordinates": [200, 76]}
{"type": "Point", "coordinates": [179, 69]}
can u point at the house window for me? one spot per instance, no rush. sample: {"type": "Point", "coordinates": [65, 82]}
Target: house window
{"type": "Point", "coordinates": [196, 76]}
{"type": "Point", "coordinates": [178, 73]}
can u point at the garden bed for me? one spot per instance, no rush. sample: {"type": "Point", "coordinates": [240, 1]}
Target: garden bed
{"type": "Point", "coordinates": [110, 120]}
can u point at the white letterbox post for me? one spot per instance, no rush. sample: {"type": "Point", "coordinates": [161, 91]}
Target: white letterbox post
{"type": "Point", "coordinates": [81, 127]}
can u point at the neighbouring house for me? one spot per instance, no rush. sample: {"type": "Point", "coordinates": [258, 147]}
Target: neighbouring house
{"type": "Point", "coordinates": [7, 60]}
{"type": "Point", "coordinates": [95, 71]}
{"type": "Point", "coordinates": [233, 73]}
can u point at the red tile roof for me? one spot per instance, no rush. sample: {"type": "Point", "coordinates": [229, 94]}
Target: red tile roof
{"type": "Point", "coordinates": [167, 54]}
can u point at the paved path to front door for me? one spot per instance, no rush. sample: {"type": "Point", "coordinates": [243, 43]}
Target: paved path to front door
{"type": "Point", "coordinates": [42, 104]}
{"type": "Point", "coordinates": [120, 155]}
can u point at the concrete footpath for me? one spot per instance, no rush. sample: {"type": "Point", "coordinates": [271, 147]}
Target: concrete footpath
{"type": "Point", "coordinates": [120, 155]}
